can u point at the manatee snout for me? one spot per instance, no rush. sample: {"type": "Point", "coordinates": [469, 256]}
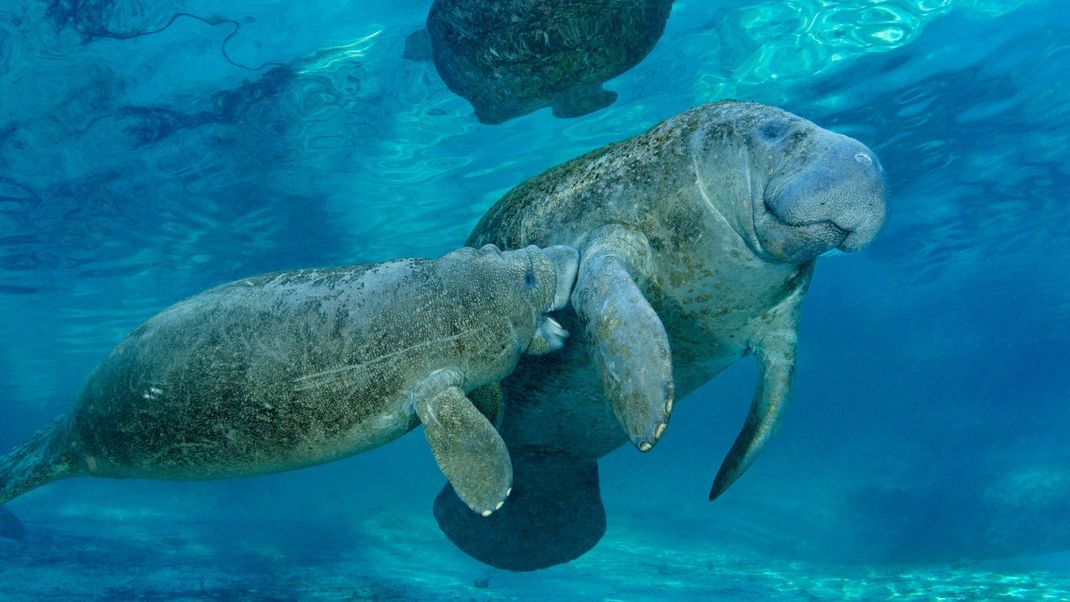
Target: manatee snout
{"type": "Point", "coordinates": [838, 197]}
{"type": "Point", "coordinates": [564, 261]}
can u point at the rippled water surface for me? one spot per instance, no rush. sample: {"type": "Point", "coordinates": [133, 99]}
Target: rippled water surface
{"type": "Point", "coordinates": [150, 150]}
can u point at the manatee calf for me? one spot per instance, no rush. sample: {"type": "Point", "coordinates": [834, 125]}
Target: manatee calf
{"type": "Point", "coordinates": [511, 57]}
{"type": "Point", "coordinates": [698, 241]}
{"type": "Point", "coordinates": [288, 370]}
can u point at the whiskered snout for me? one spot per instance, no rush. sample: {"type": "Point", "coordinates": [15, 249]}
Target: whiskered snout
{"type": "Point", "coordinates": [838, 197]}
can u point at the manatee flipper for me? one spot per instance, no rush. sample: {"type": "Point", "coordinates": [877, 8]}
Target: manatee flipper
{"type": "Point", "coordinates": [626, 338]}
{"type": "Point", "coordinates": [549, 337]}
{"type": "Point", "coordinates": [554, 514]}
{"type": "Point", "coordinates": [776, 360]}
{"type": "Point", "coordinates": [490, 401]}
{"type": "Point", "coordinates": [418, 46]}
{"type": "Point", "coordinates": [40, 460]}
{"type": "Point", "coordinates": [581, 100]}
{"type": "Point", "coordinates": [465, 444]}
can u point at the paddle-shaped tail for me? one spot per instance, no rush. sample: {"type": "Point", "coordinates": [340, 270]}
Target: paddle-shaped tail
{"type": "Point", "coordinates": [40, 460]}
{"type": "Point", "coordinates": [554, 514]}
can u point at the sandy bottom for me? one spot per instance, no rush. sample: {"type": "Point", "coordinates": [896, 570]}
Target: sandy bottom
{"type": "Point", "coordinates": [389, 555]}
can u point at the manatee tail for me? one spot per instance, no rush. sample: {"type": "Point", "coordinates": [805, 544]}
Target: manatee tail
{"type": "Point", "coordinates": [553, 515]}
{"type": "Point", "coordinates": [40, 460]}
{"type": "Point", "coordinates": [418, 46]}
{"type": "Point", "coordinates": [582, 100]}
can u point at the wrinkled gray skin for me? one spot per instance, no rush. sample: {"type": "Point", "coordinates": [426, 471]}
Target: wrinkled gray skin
{"type": "Point", "coordinates": [698, 241]}
{"type": "Point", "coordinates": [293, 369]}
{"type": "Point", "coordinates": [511, 57]}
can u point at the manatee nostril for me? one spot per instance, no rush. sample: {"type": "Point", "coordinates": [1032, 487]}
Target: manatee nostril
{"type": "Point", "coordinates": [775, 130]}
{"type": "Point", "coordinates": [864, 159]}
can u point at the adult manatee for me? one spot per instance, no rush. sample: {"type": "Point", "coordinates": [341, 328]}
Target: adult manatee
{"type": "Point", "coordinates": [287, 370]}
{"type": "Point", "coordinates": [511, 57]}
{"type": "Point", "coordinates": [698, 240]}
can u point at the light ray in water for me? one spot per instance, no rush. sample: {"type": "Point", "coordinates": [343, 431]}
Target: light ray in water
{"type": "Point", "coordinates": [326, 58]}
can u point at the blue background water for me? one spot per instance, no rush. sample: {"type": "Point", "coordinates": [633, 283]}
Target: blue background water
{"type": "Point", "coordinates": [149, 150]}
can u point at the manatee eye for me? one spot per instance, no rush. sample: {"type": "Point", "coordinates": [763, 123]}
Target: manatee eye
{"type": "Point", "coordinates": [529, 278]}
{"type": "Point", "coordinates": [774, 130]}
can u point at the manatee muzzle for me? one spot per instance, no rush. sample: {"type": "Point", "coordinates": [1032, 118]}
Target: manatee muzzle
{"type": "Point", "coordinates": [835, 200]}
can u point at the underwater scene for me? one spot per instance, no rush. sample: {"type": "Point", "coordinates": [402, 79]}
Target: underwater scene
{"type": "Point", "coordinates": [380, 300]}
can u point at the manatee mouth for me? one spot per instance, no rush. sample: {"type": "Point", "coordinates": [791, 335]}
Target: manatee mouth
{"type": "Point", "coordinates": [835, 201]}
{"type": "Point", "coordinates": [783, 238]}
{"type": "Point", "coordinates": [825, 230]}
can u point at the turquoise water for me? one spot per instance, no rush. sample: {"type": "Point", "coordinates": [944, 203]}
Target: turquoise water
{"type": "Point", "coordinates": [151, 150]}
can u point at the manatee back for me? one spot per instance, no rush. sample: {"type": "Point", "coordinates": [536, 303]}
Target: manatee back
{"type": "Point", "coordinates": [628, 182]}
{"type": "Point", "coordinates": [299, 367]}
{"type": "Point", "coordinates": [512, 57]}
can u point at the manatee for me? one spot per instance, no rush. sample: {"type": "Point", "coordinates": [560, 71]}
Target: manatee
{"type": "Point", "coordinates": [511, 57]}
{"type": "Point", "coordinates": [292, 369]}
{"type": "Point", "coordinates": [417, 46]}
{"type": "Point", "coordinates": [698, 240]}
